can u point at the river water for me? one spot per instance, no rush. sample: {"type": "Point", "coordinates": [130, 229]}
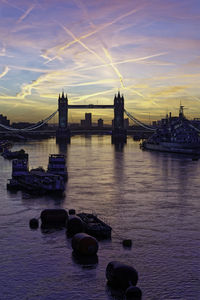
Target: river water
{"type": "Point", "coordinates": [151, 198]}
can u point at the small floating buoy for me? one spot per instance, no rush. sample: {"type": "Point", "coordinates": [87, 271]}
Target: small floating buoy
{"type": "Point", "coordinates": [127, 243]}
{"type": "Point", "coordinates": [84, 244]}
{"type": "Point", "coordinates": [33, 223]}
{"type": "Point", "coordinates": [133, 293]}
{"type": "Point", "coordinates": [72, 211]}
{"type": "Point", "coordinates": [74, 225]}
{"type": "Point", "coordinates": [121, 275]}
{"type": "Point", "coordinates": [54, 217]}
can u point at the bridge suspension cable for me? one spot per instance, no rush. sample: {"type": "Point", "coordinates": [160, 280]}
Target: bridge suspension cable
{"type": "Point", "coordinates": [194, 127]}
{"type": "Point", "coordinates": [138, 122]}
{"type": "Point", "coordinates": [31, 127]}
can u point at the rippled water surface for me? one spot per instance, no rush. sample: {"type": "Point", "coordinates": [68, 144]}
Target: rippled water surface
{"type": "Point", "coordinates": [151, 198]}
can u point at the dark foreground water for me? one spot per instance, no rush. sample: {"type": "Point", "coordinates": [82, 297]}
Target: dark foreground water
{"type": "Point", "coordinates": [151, 198]}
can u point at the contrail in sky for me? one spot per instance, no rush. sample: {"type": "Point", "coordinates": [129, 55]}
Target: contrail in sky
{"type": "Point", "coordinates": [125, 61]}
{"type": "Point", "coordinates": [100, 28]}
{"type": "Point", "coordinates": [5, 71]}
{"type": "Point", "coordinates": [12, 5]}
{"type": "Point", "coordinates": [82, 44]}
{"type": "Point", "coordinates": [106, 52]}
{"type": "Point", "coordinates": [113, 66]}
{"type": "Point", "coordinates": [27, 12]}
{"type": "Point", "coordinates": [98, 56]}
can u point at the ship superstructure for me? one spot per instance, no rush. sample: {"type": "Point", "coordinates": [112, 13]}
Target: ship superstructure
{"type": "Point", "coordinates": [176, 135]}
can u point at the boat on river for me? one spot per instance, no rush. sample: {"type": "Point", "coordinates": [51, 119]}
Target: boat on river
{"type": "Point", "coordinates": [177, 135]}
{"type": "Point", "coordinates": [94, 226]}
{"type": "Point", "coordinates": [36, 181]}
{"type": "Point", "coordinates": [21, 154]}
{"type": "Point", "coordinates": [41, 183]}
{"type": "Point", "coordinates": [57, 165]}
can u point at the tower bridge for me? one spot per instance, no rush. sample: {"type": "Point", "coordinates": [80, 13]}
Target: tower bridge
{"type": "Point", "coordinates": [118, 133]}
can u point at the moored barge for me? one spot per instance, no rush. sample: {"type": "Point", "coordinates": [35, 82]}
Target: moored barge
{"type": "Point", "coordinates": [94, 226]}
{"type": "Point", "coordinates": [21, 154]}
{"type": "Point", "coordinates": [36, 181]}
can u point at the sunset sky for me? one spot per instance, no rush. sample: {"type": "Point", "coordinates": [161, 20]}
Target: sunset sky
{"type": "Point", "coordinates": [149, 50]}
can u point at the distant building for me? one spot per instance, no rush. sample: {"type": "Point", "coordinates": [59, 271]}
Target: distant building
{"type": "Point", "coordinates": [4, 120]}
{"type": "Point", "coordinates": [100, 123]}
{"type": "Point", "coordinates": [154, 123]}
{"type": "Point", "coordinates": [88, 120]}
{"type": "Point", "coordinates": [82, 123]}
{"type": "Point", "coordinates": [21, 125]}
{"type": "Point", "coordinates": [74, 125]}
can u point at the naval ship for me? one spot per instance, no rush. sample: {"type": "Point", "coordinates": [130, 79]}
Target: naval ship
{"type": "Point", "coordinates": [177, 135]}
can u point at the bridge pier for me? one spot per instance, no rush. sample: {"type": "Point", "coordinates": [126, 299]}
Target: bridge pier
{"type": "Point", "coordinates": [119, 134]}
{"type": "Point", "coordinates": [63, 135]}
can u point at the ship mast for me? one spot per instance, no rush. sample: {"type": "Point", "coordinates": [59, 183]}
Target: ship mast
{"type": "Point", "coordinates": [181, 114]}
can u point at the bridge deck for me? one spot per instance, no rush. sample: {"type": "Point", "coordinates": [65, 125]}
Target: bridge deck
{"type": "Point", "coordinates": [91, 106]}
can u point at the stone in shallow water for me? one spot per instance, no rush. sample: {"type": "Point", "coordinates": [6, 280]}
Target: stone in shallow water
{"type": "Point", "coordinates": [133, 293]}
{"type": "Point", "coordinates": [54, 217]}
{"type": "Point", "coordinates": [120, 275]}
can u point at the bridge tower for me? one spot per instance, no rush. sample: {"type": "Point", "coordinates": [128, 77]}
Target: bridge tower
{"type": "Point", "coordinates": [63, 131]}
{"type": "Point", "coordinates": [63, 110]}
{"type": "Point", "coordinates": [119, 134]}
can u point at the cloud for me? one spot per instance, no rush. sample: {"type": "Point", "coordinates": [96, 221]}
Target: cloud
{"type": "Point", "coordinates": [169, 91]}
{"type": "Point", "coordinates": [3, 52]}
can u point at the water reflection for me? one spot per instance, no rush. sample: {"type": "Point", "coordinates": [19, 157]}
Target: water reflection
{"type": "Point", "coordinates": [118, 166]}
{"type": "Point", "coordinates": [47, 201]}
{"type": "Point", "coordinates": [50, 230]}
{"type": "Point", "coordinates": [114, 294]}
{"type": "Point", "coordinates": [63, 147]}
{"type": "Point", "coordinates": [89, 262]}
{"type": "Point", "coordinates": [175, 181]}
{"type": "Point", "coordinates": [119, 146]}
